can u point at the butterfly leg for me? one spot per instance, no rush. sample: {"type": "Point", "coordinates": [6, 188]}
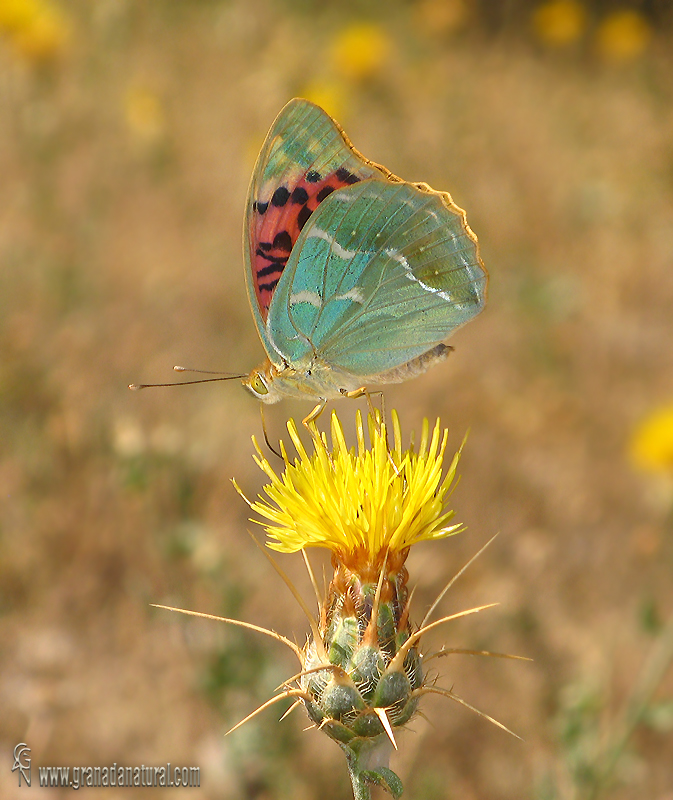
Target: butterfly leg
{"type": "Point", "coordinates": [376, 415]}
{"type": "Point", "coordinates": [355, 393]}
{"type": "Point", "coordinates": [313, 416]}
{"type": "Point", "coordinates": [363, 392]}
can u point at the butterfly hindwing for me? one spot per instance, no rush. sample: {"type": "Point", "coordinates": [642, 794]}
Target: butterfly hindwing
{"type": "Point", "coordinates": [304, 159]}
{"type": "Point", "coordinates": [380, 274]}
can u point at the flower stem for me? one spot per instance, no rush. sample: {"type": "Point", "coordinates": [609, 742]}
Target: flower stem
{"type": "Point", "coordinates": [363, 774]}
{"type": "Point", "coordinates": [358, 754]}
{"type": "Point", "coordinates": [361, 789]}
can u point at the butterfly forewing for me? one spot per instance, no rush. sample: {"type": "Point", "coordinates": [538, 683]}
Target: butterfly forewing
{"type": "Point", "coordinates": [305, 158]}
{"type": "Point", "coordinates": [381, 273]}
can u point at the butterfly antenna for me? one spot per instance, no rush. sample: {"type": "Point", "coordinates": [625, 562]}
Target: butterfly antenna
{"type": "Point", "coordinates": [222, 376]}
{"type": "Point", "coordinates": [206, 371]}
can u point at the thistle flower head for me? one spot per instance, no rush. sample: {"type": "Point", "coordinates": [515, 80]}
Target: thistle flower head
{"type": "Point", "coordinates": [365, 504]}
{"type": "Point", "coordinates": [362, 671]}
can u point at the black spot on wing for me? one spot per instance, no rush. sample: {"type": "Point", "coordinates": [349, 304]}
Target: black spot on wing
{"type": "Point", "coordinates": [326, 191]}
{"type": "Point", "coordinates": [302, 216]}
{"type": "Point", "coordinates": [280, 196]}
{"type": "Point", "coordinates": [345, 176]}
{"type": "Point", "coordinates": [312, 176]}
{"type": "Point", "coordinates": [282, 241]}
{"type": "Point", "coordinates": [299, 195]}
{"type": "Point", "coordinates": [260, 208]}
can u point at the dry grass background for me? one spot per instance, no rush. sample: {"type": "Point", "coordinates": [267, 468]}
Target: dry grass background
{"type": "Point", "coordinates": [125, 156]}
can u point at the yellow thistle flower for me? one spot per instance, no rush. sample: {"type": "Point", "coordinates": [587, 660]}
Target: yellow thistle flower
{"type": "Point", "coordinates": [360, 503]}
{"type": "Point", "coordinates": [362, 671]}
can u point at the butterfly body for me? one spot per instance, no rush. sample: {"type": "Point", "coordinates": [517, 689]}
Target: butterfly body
{"type": "Point", "coordinates": [355, 277]}
{"type": "Point", "coordinates": [319, 380]}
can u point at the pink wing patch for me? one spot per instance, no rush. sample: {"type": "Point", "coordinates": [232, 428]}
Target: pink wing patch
{"type": "Point", "coordinates": [277, 223]}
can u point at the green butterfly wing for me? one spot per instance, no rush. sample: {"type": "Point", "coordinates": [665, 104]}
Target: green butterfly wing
{"type": "Point", "coordinates": [381, 273]}
{"type": "Point", "coordinates": [305, 157]}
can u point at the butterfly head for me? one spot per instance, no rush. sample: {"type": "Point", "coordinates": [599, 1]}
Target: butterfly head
{"type": "Point", "coordinates": [260, 383]}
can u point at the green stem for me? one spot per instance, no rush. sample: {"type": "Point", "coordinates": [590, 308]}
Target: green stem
{"type": "Point", "coordinates": [361, 789]}
{"type": "Point", "coordinates": [358, 753]}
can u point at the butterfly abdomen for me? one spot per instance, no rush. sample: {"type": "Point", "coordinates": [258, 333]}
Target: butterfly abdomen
{"type": "Point", "coordinates": [417, 366]}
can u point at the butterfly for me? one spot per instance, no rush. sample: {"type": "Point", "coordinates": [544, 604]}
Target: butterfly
{"type": "Point", "coordinates": [355, 277]}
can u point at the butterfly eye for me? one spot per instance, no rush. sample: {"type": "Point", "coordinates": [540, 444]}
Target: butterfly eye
{"type": "Point", "coordinates": [258, 385]}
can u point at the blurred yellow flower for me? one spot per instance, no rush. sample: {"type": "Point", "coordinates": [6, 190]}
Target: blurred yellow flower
{"type": "Point", "coordinates": [38, 29]}
{"type": "Point", "coordinates": [651, 446]}
{"type": "Point", "coordinates": [440, 17]}
{"type": "Point", "coordinates": [144, 114]}
{"type": "Point", "coordinates": [559, 23]}
{"type": "Point", "coordinates": [623, 35]}
{"type": "Point", "coordinates": [360, 51]}
{"type": "Point", "coordinates": [16, 15]}
{"type": "Point", "coordinates": [330, 95]}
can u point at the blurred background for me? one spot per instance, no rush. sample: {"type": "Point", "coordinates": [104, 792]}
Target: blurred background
{"type": "Point", "coordinates": [128, 133]}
